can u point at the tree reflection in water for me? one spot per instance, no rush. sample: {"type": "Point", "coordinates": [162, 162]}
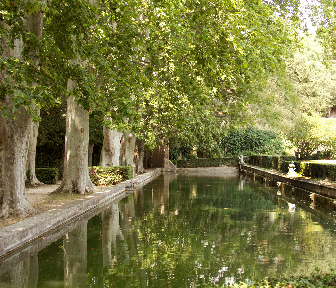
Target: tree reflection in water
{"type": "Point", "coordinates": [203, 230]}
{"type": "Point", "coordinates": [184, 231]}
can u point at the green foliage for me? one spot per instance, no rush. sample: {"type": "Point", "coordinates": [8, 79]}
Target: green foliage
{"type": "Point", "coordinates": [206, 162]}
{"type": "Point", "coordinates": [313, 135]}
{"type": "Point", "coordinates": [307, 169]}
{"type": "Point", "coordinates": [105, 176]}
{"type": "Point", "coordinates": [51, 138]}
{"type": "Point", "coordinates": [290, 101]}
{"type": "Point", "coordinates": [315, 280]}
{"type": "Point", "coordinates": [168, 69]}
{"type": "Point", "coordinates": [47, 175]}
{"type": "Point", "coordinates": [202, 62]}
{"type": "Point", "coordinates": [312, 79]}
{"type": "Point", "coordinates": [96, 129]}
{"type": "Point", "coordinates": [323, 14]}
{"type": "Point", "coordinates": [251, 141]}
{"type": "Point", "coordinates": [271, 161]}
{"type": "Point", "coordinates": [317, 170]}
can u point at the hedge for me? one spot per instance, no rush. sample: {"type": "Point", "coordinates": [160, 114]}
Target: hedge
{"type": "Point", "coordinates": [105, 176]}
{"type": "Point", "coordinates": [206, 162]}
{"type": "Point", "coordinates": [47, 175]}
{"type": "Point", "coordinates": [307, 169]}
{"type": "Point", "coordinates": [270, 161]}
{"type": "Point", "coordinates": [321, 170]}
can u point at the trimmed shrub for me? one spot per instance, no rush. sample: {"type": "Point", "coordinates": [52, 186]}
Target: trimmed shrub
{"type": "Point", "coordinates": [267, 161]}
{"type": "Point", "coordinates": [284, 166]}
{"type": "Point", "coordinates": [105, 176]}
{"type": "Point", "coordinates": [47, 175]}
{"type": "Point", "coordinates": [207, 162]}
{"type": "Point", "coordinates": [307, 169]}
{"type": "Point", "coordinates": [319, 170]}
{"type": "Point", "coordinates": [288, 158]}
{"type": "Point", "coordinates": [255, 160]}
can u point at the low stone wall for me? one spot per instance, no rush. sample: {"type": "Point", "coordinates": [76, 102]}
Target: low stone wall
{"type": "Point", "coordinates": [315, 187]}
{"type": "Point", "coordinates": [17, 235]}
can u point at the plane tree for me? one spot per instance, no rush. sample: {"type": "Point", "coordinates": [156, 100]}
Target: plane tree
{"type": "Point", "coordinates": [103, 77]}
{"type": "Point", "coordinates": [149, 66]}
{"type": "Point", "coordinates": [70, 54]}
{"type": "Point", "coordinates": [24, 88]}
{"type": "Point", "coordinates": [203, 61]}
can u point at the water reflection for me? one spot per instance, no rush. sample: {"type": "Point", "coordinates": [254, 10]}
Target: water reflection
{"type": "Point", "coordinates": [24, 274]}
{"type": "Point", "coordinates": [185, 231]}
{"type": "Point", "coordinates": [110, 231]}
{"type": "Point", "coordinates": [75, 256]}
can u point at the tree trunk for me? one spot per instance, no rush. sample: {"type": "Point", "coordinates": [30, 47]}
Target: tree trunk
{"type": "Point", "coordinates": [76, 177]}
{"type": "Point", "coordinates": [166, 156]}
{"type": "Point", "coordinates": [90, 154]}
{"type": "Point", "coordinates": [14, 138]}
{"type": "Point", "coordinates": [34, 23]}
{"type": "Point", "coordinates": [14, 141]}
{"type": "Point", "coordinates": [127, 148]}
{"type": "Point", "coordinates": [110, 153]}
{"type": "Point", "coordinates": [139, 156]}
{"type": "Point", "coordinates": [32, 153]}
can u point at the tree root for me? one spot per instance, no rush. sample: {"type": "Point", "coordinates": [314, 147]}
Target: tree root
{"type": "Point", "coordinates": [23, 211]}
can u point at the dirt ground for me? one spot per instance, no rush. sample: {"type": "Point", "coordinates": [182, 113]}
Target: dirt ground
{"type": "Point", "coordinates": [42, 199]}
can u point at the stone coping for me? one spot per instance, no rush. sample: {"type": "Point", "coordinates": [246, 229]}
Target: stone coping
{"type": "Point", "coordinates": [15, 236]}
{"type": "Point", "coordinates": [305, 184]}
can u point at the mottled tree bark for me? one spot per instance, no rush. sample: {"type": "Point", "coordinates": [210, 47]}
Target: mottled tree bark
{"type": "Point", "coordinates": [127, 148]}
{"type": "Point", "coordinates": [14, 141]}
{"type": "Point", "coordinates": [34, 23]}
{"type": "Point", "coordinates": [76, 177]}
{"type": "Point", "coordinates": [139, 156]}
{"type": "Point", "coordinates": [110, 154]}
{"type": "Point", "coordinates": [15, 137]}
{"type": "Point", "coordinates": [90, 154]}
{"type": "Point", "coordinates": [31, 158]}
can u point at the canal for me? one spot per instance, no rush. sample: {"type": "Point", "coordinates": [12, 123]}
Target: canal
{"type": "Point", "coordinates": [183, 231]}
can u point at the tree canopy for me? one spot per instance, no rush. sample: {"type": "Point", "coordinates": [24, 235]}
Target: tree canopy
{"type": "Point", "coordinates": [148, 61]}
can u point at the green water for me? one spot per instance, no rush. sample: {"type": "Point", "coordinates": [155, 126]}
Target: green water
{"type": "Point", "coordinates": [186, 231]}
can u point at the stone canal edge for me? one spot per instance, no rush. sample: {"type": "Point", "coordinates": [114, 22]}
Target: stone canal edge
{"type": "Point", "coordinates": [322, 189]}
{"type": "Point", "coordinates": [17, 235]}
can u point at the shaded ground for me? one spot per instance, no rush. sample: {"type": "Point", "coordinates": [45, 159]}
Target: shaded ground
{"type": "Point", "coordinates": [42, 199]}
